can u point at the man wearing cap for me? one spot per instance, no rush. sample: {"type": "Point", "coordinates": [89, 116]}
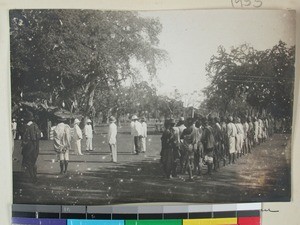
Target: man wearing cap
{"type": "Point", "coordinates": [62, 143]}
{"type": "Point", "coordinates": [88, 131]}
{"type": "Point", "coordinates": [137, 133]}
{"type": "Point", "coordinates": [144, 134]}
{"type": "Point", "coordinates": [77, 136]}
{"type": "Point", "coordinates": [112, 138]}
{"type": "Point", "coordinates": [30, 146]}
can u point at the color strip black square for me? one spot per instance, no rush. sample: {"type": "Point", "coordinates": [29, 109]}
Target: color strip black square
{"type": "Point", "coordinates": [225, 214]}
{"type": "Point", "coordinates": [251, 213]}
{"type": "Point", "coordinates": [48, 215]}
{"type": "Point", "coordinates": [24, 214]}
{"type": "Point", "coordinates": [73, 216]}
{"type": "Point", "coordinates": [150, 216]}
{"type": "Point", "coordinates": [200, 215]}
{"type": "Point", "coordinates": [99, 216]}
{"type": "Point", "coordinates": [175, 216]}
{"type": "Point", "coordinates": [124, 216]}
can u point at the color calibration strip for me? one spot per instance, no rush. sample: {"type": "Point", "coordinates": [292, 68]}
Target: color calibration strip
{"type": "Point", "coordinates": [219, 214]}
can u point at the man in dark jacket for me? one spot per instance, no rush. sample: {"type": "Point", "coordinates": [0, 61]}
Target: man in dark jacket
{"type": "Point", "coordinates": [30, 146]}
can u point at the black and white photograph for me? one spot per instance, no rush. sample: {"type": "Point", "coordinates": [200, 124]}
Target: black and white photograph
{"type": "Point", "coordinates": [113, 107]}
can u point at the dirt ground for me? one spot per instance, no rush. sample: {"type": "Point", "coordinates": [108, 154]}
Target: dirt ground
{"type": "Point", "coordinates": [263, 175]}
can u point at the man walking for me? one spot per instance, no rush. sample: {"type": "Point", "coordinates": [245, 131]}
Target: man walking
{"type": "Point", "coordinates": [62, 143]}
{"type": "Point", "coordinates": [112, 138]}
{"type": "Point", "coordinates": [30, 146]}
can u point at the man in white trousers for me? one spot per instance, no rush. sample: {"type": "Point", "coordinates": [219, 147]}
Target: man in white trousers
{"type": "Point", "coordinates": [112, 138]}
{"type": "Point", "coordinates": [88, 131]}
{"type": "Point", "coordinates": [77, 136]}
{"type": "Point", "coordinates": [144, 134]}
{"type": "Point", "coordinates": [132, 134]}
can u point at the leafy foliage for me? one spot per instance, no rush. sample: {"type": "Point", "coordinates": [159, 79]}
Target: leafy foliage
{"type": "Point", "coordinates": [246, 78]}
{"type": "Point", "coordinates": [65, 56]}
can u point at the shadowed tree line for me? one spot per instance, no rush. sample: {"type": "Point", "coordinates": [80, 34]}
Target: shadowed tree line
{"type": "Point", "coordinates": [82, 59]}
{"type": "Point", "coordinates": [247, 81]}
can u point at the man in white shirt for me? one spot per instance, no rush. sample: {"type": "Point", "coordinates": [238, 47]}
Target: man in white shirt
{"type": "Point", "coordinates": [112, 138]}
{"type": "Point", "coordinates": [88, 131]}
{"type": "Point", "coordinates": [77, 136]}
{"type": "Point", "coordinates": [144, 134]}
{"type": "Point", "coordinates": [137, 133]}
{"type": "Point", "coordinates": [14, 128]}
{"type": "Point", "coordinates": [231, 134]}
{"type": "Point", "coordinates": [62, 143]}
{"type": "Point", "coordinates": [132, 134]}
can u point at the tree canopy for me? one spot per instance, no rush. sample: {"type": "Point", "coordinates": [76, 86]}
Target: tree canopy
{"type": "Point", "coordinates": [65, 56]}
{"type": "Point", "coordinates": [246, 78]}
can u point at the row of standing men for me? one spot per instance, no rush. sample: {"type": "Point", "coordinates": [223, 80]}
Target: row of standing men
{"type": "Point", "coordinates": [64, 138]}
{"type": "Point", "coordinates": [190, 144]}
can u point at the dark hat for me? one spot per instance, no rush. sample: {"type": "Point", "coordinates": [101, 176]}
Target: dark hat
{"type": "Point", "coordinates": [61, 119]}
{"type": "Point", "coordinates": [190, 121]}
{"type": "Point", "coordinates": [172, 121]}
{"type": "Point", "coordinates": [28, 116]}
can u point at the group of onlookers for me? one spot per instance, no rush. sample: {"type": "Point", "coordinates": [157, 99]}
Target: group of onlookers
{"type": "Point", "coordinates": [188, 145]}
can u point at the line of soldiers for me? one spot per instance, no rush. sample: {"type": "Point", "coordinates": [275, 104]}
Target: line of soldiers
{"type": "Point", "coordinates": [210, 141]}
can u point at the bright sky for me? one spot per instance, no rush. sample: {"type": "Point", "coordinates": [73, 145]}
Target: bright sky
{"type": "Point", "coordinates": [191, 37]}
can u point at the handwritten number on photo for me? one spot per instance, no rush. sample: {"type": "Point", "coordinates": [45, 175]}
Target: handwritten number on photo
{"type": "Point", "coordinates": [246, 3]}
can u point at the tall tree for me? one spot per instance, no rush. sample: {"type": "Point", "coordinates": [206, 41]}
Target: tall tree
{"type": "Point", "coordinates": [67, 54]}
{"type": "Point", "coordinates": [245, 77]}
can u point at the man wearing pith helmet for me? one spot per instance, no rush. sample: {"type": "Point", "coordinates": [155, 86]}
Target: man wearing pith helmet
{"type": "Point", "coordinates": [88, 131]}
{"type": "Point", "coordinates": [77, 137]}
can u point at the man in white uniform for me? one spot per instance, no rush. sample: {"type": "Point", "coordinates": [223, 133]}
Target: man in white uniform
{"type": "Point", "coordinates": [77, 136]}
{"type": "Point", "coordinates": [144, 134]}
{"type": "Point", "coordinates": [137, 133]}
{"type": "Point", "coordinates": [14, 128]}
{"type": "Point", "coordinates": [112, 138]}
{"type": "Point", "coordinates": [88, 131]}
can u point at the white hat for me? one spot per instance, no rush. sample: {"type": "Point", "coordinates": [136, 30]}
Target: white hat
{"type": "Point", "coordinates": [88, 121]}
{"type": "Point", "coordinates": [181, 118]}
{"type": "Point", "coordinates": [134, 117]}
{"type": "Point", "coordinates": [112, 119]}
{"type": "Point", "coordinates": [76, 121]}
